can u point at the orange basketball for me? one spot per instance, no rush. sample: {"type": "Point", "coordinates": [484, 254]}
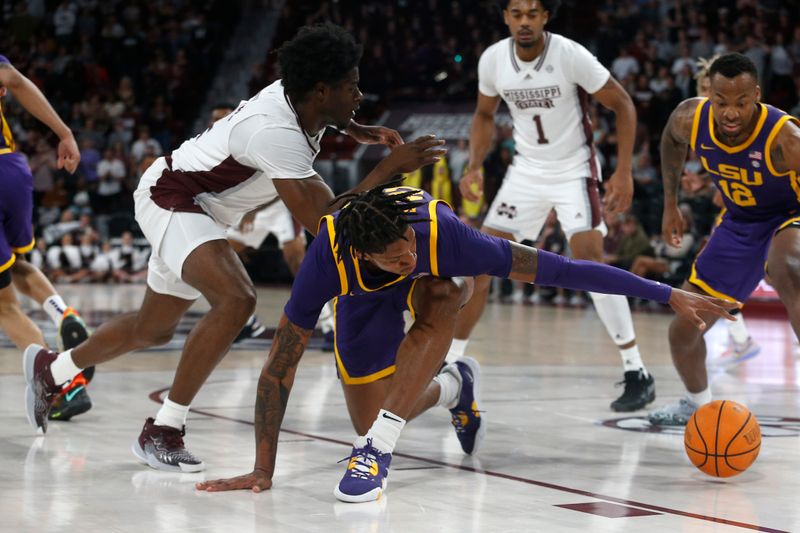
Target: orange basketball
{"type": "Point", "coordinates": [722, 438]}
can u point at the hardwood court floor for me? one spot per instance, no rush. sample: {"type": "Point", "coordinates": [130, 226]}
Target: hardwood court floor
{"type": "Point", "coordinates": [555, 457]}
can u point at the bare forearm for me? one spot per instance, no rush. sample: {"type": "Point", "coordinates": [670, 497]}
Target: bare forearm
{"type": "Point", "coordinates": [32, 99]}
{"type": "Point", "coordinates": [382, 173]}
{"type": "Point", "coordinates": [626, 133]}
{"type": "Point", "coordinates": [480, 139]}
{"type": "Point", "coordinates": [274, 387]}
{"type": "Point", "coordinates": [673, 157]}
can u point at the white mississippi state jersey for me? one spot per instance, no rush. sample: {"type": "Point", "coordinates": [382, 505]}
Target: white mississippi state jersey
{"type": "Point", "coordinates": [548, 100]}
{"type": "Point", "coordinates": [227, 170]}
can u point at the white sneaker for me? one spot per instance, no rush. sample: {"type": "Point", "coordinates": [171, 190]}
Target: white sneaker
{"type": "Point", "coordinates": [737, 353]}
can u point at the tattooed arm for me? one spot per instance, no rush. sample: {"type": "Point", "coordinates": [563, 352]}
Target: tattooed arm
{"type": "Point", "coordinates": [785, 150]}
{"type": "Point", "coordinates": [545, 268]}
{"type": "Point", "coordinates": [675, 141]}
{"type": "Point", "coordinates": [272, 395]}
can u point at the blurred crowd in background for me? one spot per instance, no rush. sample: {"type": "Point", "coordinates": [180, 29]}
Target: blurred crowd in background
{"type": "Point", "coordinates": [129, 78]}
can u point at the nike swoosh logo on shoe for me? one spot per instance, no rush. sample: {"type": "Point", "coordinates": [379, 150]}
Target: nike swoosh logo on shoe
{"type": "Point", "coordinates": [71, 394]}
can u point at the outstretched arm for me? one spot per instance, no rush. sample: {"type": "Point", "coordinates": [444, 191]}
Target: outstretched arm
{"type": "Point", "coordinates": [480, 140]}
{"type": "Point", "coordinates": [32, 99]}
{"type": "Point", "coordinates": [274, 386]}
{"type": "Point", "coordinates": [675, 141]}
{"type": "Point", "coordinates": [545, 268]}
{"type": "Point", "coordinates": [309, 199]}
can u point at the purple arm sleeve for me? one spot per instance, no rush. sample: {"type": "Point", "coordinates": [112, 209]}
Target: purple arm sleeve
{"type": "Point", "coordinates": [315, 284]}
{"type": "Point", "coordinates": [465, 251]}
{"type": "Point", "coordinates": [558, 271]}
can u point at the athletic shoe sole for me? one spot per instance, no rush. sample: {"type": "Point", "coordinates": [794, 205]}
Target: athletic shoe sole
{"type": "Point", "coordinates": [154, 463]}
{"type": "Point", "coordinates": [476, 391]}
{"type": "Point", "coordinates": [374, 494]}
{"type": "Point", "coordinates": [28, 360]}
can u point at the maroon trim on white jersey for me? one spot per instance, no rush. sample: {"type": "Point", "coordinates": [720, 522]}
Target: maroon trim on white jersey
{"type": "Point", "coordinates": [513, 56]}
{"type": "Point", "coordinates": [176, 189]}
{"type": "Point", "coordinates": [593, 192]}
{"type": "Point", "coordinates": [544, 51]}
{"type": "Point", "coordinates": [583, 98]}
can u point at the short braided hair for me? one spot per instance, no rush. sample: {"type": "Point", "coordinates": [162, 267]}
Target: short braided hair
{"type": "Point", "coordinates": [373, 219]}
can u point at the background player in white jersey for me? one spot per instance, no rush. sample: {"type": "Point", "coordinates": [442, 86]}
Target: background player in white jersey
{"type": "Point", "coordinates": [546, 79]}
{"type": "Point", "coordinates": [262, 150]}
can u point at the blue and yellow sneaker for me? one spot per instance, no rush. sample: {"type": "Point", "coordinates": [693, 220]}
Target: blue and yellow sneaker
{"type": "Point", "coordinates": [466, 417]}
{"type": "Point", "coordinates": [365, 478]}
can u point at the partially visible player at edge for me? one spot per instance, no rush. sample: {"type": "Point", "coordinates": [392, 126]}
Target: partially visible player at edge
{"type": "Point", "coordinates": [373, 256]}
{"type": "Point", "coordinates": [546, 80]}
{"type": "Point", "coordinates": [262, 150]}
{"type": "Point", "coordinates": [752, 152]}
{"type": "Point", "coordinates": [16, 238]}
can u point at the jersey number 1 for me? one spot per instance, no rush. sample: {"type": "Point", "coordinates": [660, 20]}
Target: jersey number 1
{"type": "Point", "coordinates": [540, 130]}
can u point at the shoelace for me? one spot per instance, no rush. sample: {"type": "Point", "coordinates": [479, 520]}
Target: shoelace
{"type": "Point", "coordinates": [172, 437]}
{"type": "Point", "coordinates": [363, 457]}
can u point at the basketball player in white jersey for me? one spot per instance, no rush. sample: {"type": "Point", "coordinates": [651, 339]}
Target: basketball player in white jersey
{"type": "Point", "coordinates": [546, 80]}
{"type": "Point", "coordinates": [264, 149]}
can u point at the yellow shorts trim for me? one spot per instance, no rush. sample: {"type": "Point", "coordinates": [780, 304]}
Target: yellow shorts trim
{"type": "Point", "coordinates": [5, 266]}
{"type": "Point", "coordinates": [787, 223]}
{"type": "Point", "coordinates": [25, 249]}
{"type": "Point", "coordinates": [694, 280]}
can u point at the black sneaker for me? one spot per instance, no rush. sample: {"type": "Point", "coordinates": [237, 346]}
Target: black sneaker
{"type": "Point", "coordinates": [71, 333]}
{"type": "Point", "coordinates": [639, 391]}
{"type": "Point", "coordinates": [72, 402]}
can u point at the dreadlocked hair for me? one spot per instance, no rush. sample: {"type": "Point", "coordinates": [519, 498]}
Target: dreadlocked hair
{"type": "Point", "coordinates": [373, 219]}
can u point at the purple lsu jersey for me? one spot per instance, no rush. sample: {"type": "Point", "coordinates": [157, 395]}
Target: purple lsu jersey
{"type": "Point", "coordinates": [751, 187]}
{"type": "Point", "coordinates": [368, 306]}
{"type": "Point", "coordinates": [446, 247]}
{"type": "Point", "coordinates": [6, 138]}
{"type": "Point", "coordinates": [759, 202]}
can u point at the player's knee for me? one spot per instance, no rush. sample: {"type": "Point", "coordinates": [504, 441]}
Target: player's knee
{"type": "Point", "coordinates": [785, 274]}
{"type": "Point", "coordinates": [146, 336]}
{"type": "Point", "coordinates": [682, 332]}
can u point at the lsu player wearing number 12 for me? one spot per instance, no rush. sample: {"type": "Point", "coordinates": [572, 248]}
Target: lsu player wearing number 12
{"type": "Point", "coordinates": [752, 152]}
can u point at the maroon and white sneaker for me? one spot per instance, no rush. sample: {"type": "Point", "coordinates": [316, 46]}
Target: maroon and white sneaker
{"type": "Point", "coordinates": [40, 390]}
{"type": "Point", "coordinates": [162, 448]}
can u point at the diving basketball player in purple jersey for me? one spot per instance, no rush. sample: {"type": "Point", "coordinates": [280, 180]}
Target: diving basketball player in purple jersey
{"type": "Point", "coordinates": [752, 152]}
{"type": "Point", "coordinates": [388, 250]}
{"type": "Point", "coordinates": [263, 150]}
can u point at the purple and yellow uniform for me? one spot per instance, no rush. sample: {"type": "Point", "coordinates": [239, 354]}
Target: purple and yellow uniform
{"type": "Point", "coordinates": [16, 200]}
{"type": "Point", "coordinates": [368, 305]}
{"type": "Point", "coordinates": [759, 202]}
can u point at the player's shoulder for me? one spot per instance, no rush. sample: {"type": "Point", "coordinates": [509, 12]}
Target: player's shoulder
{"type": "Point", "coordinates": [497, 50]}
{"type": "Point", "coordinates": [560, 43]}
{"type": "Point", "coordinates": [686, 110]}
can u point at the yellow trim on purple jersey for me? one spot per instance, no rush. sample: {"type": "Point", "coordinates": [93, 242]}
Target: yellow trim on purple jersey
{"type": "Point", "coordinates": [696, 122]}
{"type": "Point", "coordinates": [746, 144]}
{"type": "Point", "coordinates": [25, 249]}
{"type": "Point", "coordinates": [360, 380]}
{"type": "Point", "coordinates": [334, 250]}
{"type": "Point", "coordinates": [409, 303]}
{"type": "Point", "coordinates": [793, 176]}
{"type": "Point", "coordinates": [434, 238]}
{"type": "Point", "coordinates": [357, 268]}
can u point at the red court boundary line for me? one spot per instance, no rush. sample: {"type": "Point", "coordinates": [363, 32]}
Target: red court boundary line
{"type": "Point", "coordinates": [156, 397]}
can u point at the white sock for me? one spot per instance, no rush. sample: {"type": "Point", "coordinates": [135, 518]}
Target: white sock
{"type": "Point", "coordinates": [457, 349]}
{"type": "Point", "coordinates": [172, 414]}
{"type": "Point", "coordinates": [54, 306]}
{"type": "Point", "coordinates": [449, 389]}
{"type": "Point", "coordinates": [63, 368]}
{"type": "Point", "coordinates": [738, 329]}
{"type": "Point", "coordinates": [384, 432]}
{"type": "Point", "coordinates": [632, 360]}
{"type": "Point", "coordinates": [325, 320]}
{"type": "Point", "coordinates": [700, 398]}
